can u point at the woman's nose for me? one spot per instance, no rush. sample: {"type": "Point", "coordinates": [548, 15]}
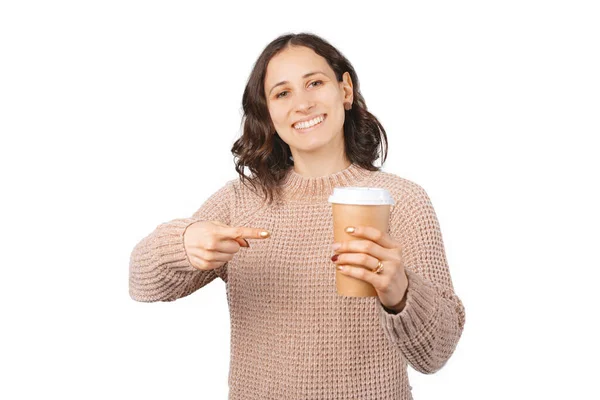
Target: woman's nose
{"type": "Point", "coordinates": [304, 102]}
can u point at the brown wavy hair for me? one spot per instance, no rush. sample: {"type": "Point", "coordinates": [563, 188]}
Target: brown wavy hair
{"type": "Point", "coordinates": [261, 149]}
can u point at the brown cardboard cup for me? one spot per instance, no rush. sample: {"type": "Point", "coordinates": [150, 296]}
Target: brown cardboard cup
{"type": "Point", "coordinates": [352, 206]}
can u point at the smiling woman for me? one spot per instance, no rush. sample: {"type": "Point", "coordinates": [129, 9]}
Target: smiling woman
{"type": "Point", "coordinates": [307, 131]}
{"type": "Point", "coordinates": [303, 110]}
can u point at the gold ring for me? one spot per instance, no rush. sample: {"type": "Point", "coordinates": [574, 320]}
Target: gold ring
{"type": "Point", "coordinates": [379, 268]}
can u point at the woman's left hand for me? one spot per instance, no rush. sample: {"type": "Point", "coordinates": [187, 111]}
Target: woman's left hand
{"type": "Point", "coordinates": [391, 284]}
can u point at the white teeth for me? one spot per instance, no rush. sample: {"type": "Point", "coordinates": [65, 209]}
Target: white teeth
{"type": "Point", "coordinates": [308, 124]}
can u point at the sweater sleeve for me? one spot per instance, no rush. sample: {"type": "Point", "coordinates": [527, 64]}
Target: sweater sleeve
{"type": "Point", "coordinates": [159, 267]}
{"type": "Point", "coordinates": [429, 327]}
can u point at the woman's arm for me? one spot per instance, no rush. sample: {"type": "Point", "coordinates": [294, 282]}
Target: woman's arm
{"type": "Point", "coordinates": [159, 268]}
{"type": "Point", "coordinates": [431, 321]}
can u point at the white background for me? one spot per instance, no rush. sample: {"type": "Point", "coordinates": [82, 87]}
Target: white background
{"type": "Point", "coordinates": [117, 116]}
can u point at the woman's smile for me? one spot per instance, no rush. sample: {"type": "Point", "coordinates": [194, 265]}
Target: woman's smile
{"type": "Point", "coordinates": [309, 126]}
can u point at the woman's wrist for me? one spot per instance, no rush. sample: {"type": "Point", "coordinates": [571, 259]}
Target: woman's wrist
{"type": "Point", "coordinates": [397, 309]}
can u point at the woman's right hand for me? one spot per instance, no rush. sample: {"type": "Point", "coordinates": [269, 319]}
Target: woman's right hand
{"type": "Point", "coordinates": [210, 244]}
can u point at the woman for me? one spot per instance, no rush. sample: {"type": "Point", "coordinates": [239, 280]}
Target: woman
{"type": "Point", "coordinates": [269, 237]}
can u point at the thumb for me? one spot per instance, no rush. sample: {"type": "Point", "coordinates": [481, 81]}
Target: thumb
{"type": "Point", "coordinates": [241, 241]}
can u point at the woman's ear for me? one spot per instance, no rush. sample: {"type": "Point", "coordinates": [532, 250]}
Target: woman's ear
{"type": "Point", "coordinates": [347, 88]}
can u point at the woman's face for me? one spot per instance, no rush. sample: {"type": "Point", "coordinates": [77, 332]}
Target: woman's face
{"type": "Point", "coordinates": [309, 90]}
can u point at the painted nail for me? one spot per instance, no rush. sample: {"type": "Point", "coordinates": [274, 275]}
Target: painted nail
{"type": "Point", "coordinates": [336, 246]}
{"type": "Point", "coordinates": [335, 257]}
{"type": "Point", "coordinates": [350, 229]}
{"type": "Point", "coordinates": [264, 234]}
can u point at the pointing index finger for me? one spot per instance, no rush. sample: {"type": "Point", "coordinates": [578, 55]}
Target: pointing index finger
{"type": "Point", "coordinates": [246, 233]}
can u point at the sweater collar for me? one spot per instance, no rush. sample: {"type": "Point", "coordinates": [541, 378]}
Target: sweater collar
{"type": "Point", "coordinates": [298, 187]}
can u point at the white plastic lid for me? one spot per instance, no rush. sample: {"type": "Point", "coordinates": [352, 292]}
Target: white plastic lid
{"type": "Point", "coordinates": [361, 196]}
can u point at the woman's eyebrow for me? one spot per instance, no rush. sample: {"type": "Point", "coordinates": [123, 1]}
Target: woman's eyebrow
{"type": "Point", "coordinates": [303, 76]}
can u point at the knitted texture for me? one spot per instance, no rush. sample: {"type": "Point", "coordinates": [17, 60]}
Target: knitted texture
{"type": "Point", "coordinates": [292, 335]}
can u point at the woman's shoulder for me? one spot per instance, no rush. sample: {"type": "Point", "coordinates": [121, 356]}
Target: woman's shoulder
{"type": "Point", "coordinates": [401, 188]}
{"type": "Point", "coordinates": [412, 203]}
{"type": "Point", "coordinates": [247, 198]}
{"type": "Point", "coordinates": [242, 189]}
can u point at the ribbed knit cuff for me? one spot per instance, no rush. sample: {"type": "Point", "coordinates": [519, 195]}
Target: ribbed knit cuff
{"type": "Point", "coordinates": [172, 251]}
{"type": "Point", "coordinates": [418, 312]}
{"type": "Point", "coordinates": [159, 267]}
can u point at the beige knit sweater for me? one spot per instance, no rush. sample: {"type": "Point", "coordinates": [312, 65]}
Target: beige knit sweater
{"type": "Point", "coordinates": [292, 336]}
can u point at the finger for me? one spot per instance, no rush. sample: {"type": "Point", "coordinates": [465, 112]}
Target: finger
{"type": "Point", "coordinates": [203, 264]}
{"type": "Point", "coordinates": [243, 242]}
{"type": "Point", "coordinates": [217, 244]}
{"type": "Point", "coordinates": [356, 259]}
{"type": "Point", "coordinates": [244, 232]}
{"type": "Point", "coordinates": [363, 246]}
{"type": "Point", "coordinates": [362, 274]}
{"type": "Point", "coordinates": [373, 234]}
{"type": "Point", "coordinates": [214, 256]}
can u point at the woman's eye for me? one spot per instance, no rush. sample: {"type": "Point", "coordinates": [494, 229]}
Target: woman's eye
{"type": "Point", "coordinates": [285, 91]}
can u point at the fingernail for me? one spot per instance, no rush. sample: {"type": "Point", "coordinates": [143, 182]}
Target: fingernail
{"type": "Point", "coordinates": [340, 267]}
{"type": "Point", "coordinates": [336, 246]}
{"type": "Point", "coordinates": [335, 257]}
{"type": "Point", "coordinates": [350, 229]}
{"type": "Point", "coordinates": [247, 244]}
{"type": "Point", "coordinates": [264, 234]}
